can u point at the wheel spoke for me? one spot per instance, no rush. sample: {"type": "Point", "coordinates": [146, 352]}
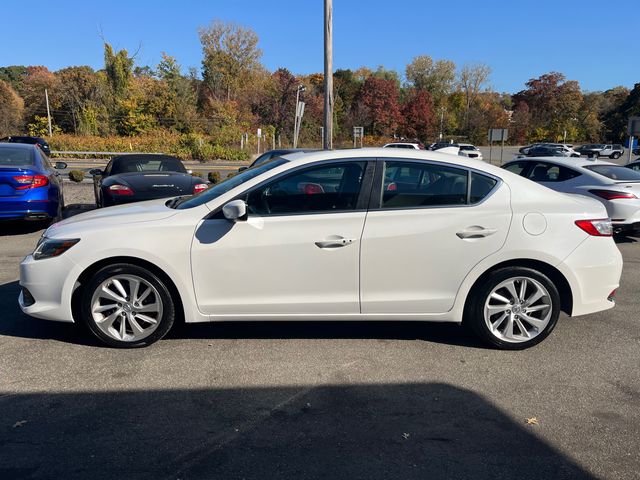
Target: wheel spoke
{"type": "Point", "coordinates": [523, 331]}
{"type": "Point", "coordinates": [151, 308]}
{"type": "Point", "coordinates": [104, 308]}
{"type": "Point", "coordinates": [144, 295]}
{"type": "Point", "coordinates": [537, 295]}
{"type": "Point", "coordinates": [146, 318]}
{"type": "Point", "coordinates": [523, 289]}
{"type": "Point", "coordinates": [106, 292]}
{"type": "Point", "coordinates": [511, 286]}
{"type": "Point", "coordinates": [537, 308]}
{"type": "Point", "coordinates": [134, 287]}
{"type": "Point", "coordinates": [123, 327]}
{"type": "Point", "coordinates": [106, 322]}
{"type": "Point", "coordinates": [508, 329]}
{"type": "Point", "coordinates": [539, 324]}
{"type": "Point", "coordinates": [493, 309]}
{"type": "Point", "coordinates": [116, 283]}
{"type": "Point", "coordinates": [135, 325]}
{"type": "Point", "coordinates": [500, 298]}
{"type": "Point", "coordinates": [498, 323]}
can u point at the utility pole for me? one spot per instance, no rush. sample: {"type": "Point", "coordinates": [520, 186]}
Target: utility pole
{"type": "Point", "coordinates": [441, 121]}
{"type": "Point", "coordinates": [46, 96]}
{"type": "Point", "coordinates": [327, 140]}
{"type": "Point", "coordinates": [301, 88]}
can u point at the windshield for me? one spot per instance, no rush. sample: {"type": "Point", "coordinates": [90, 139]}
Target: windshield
{"type": "Point", "coordinates": [145, 163]}
{"type": "Point", "coordinates": [10, 156]}
{"type": "Point", "coordinates": [228, 184]}
{"type": "Point", "coordinates": [616, 172]}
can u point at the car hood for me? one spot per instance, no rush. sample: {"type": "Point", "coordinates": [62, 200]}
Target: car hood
{"type": "Point", "coordinates": [102, 218]}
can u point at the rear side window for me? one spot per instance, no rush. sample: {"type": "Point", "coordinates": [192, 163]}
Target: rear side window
{"type": "Point", "coordinates": [548, 172]}
{"type": "Point", "coordinates": [409, 184]}
{"type": "Point", "coordinates": [481, 186]}
{"type": "Point", "coordinates": [616, 172]}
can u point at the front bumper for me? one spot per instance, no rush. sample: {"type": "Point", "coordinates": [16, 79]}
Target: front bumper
{"type": "Point", "coordinates": [48, 282]}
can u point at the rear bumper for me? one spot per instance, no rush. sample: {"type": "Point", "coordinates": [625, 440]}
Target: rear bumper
{"type": "Point", "coordinates": [626, 228]}
{"type": "Point", "coordinates": [29, 206]}
{"type": "Point", "coordinates": [593, 271]}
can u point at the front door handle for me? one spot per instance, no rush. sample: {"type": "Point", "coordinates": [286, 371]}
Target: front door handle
{"type": "Point", "coordinates": [334, 241]}
{"type": "Point", "coordinates": [476, 231]}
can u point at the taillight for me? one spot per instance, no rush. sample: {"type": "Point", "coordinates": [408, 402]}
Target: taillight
{"type": "Point", "coordinates": [597, 228]}
{"type": "Point", "coordinates": [120, 190]}
{"type": "Point", "coordinates": [200, 187]}
{"type": "Point", "coordinates": [31, 181]}
{"type": "Point", "coordinates": [612, 194]}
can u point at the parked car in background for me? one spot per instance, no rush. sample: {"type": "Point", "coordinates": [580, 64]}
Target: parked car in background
{"type": "Point", "coordinates": [565, 149]}
{"type": "Point", "coordinates": [363, 234]}
{"type": "Point", "coordinates": [268, 155]}
{"type": "Point", "coordinates": [41, 142]}
{"type": "Point", "coordinates": [613, 151]}
{"type": "Point", "coordinates": [409, 145]}
{"type": "Point", "coordinates": [616, 186]}
{"type": "Point", "coordinates": [543, 151]}
{"type": "Point", "coordinates": [636, 151]}
{"type": "Point", "coordinates": [30, 187]}
{"type": "Point", "coordinates": [137, 177]}
{"type": "Point", "coordinates": [468, 150]}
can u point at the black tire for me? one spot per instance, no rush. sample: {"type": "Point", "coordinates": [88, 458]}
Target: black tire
{"type": "Point", "coordinates": [474, 308]}
{"type": "Point", "coordinates": [615, 155]}
{"type": "Point", "coordinates": [168, 306]}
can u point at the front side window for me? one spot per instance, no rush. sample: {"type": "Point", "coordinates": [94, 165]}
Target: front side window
{"type": "Point", "coordinates": [411, 184]}
{"type": "Point", "coordinates": [321, 189]}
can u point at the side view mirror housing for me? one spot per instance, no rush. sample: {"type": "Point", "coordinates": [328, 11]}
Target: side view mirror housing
{"type": "Point", "coordinates": [235, 210]}
{"type": "Point", "coordinates": [95, 172]}
{"type": "Point", "coordinates": [60, 166]}
{"type": "Point", "coordinates": [242, 169]}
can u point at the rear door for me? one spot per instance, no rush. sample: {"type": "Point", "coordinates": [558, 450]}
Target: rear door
{"type": "Point", "coordinates": [429, 224]}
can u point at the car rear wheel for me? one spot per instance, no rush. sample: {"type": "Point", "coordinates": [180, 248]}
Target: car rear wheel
{"type": "Point", "coordinates": [615, 155]}
{"type": "Point", "coordinates": [127, 306]}
{"type": "Point", "coordinates": [514, 308]}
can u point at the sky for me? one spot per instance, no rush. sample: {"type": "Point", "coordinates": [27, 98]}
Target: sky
{"type": "Point", "coordinates": [586, 40]}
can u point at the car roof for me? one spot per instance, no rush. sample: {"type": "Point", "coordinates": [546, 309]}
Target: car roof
{"type": "Point", "coordinates": [565, 161]}
{"type": "Point", "coordinates": [26, 146]}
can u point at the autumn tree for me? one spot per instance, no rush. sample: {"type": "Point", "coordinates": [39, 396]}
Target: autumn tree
{"type": "Point", "coordinates": [231, 56]}
{"type": "Point", "coordinates": [11, 110]}
{"type": "Point", "coordinates": [417, 115]}
{"type": "Point", "coordinates": [473, 78]}
{"type": "Point", "coordinates": [437, 78]}
{"type": "Point", "coordinates": [32, 90]}
{"type": "Point", "coordinates": [380, 98]}
{"type": "Point", "coordinates": [278, 103]}
{"type": "Point", "coordinates": [80, 89]}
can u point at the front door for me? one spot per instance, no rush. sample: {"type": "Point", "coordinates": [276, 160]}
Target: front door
{"type": "Point", "coordinates": [430, 225]}
{"type": "Point", "coordinates": [297, 253]}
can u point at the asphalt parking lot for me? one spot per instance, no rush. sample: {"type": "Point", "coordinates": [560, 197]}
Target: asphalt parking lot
{"type": "Point", "coordinates": [337, 400]}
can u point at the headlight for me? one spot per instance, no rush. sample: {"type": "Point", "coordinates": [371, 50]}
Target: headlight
{"type": "Point", "coordinates": [53, 247]}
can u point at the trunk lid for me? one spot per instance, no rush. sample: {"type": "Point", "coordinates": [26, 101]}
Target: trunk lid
{"type": "Point", "coordinates": [160, 184]}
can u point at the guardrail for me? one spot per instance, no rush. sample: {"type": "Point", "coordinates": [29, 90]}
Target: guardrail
{"type": "Point", "coordinates": [65, 152]}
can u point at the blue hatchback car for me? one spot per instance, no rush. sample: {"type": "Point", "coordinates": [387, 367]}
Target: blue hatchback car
{"type": "Point", "coordinates": [30, 187]}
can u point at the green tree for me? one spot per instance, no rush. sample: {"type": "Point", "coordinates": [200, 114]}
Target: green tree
{"type": "Point", "coordinates": [119, 69]}
{"type": "Point", "coordinates": [231, 57]}
{"type": "Point", "coordinates": [437, 78]}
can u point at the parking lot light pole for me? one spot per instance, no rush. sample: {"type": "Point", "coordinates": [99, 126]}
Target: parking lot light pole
{"type": "Point", "coordinates": [301, 88]}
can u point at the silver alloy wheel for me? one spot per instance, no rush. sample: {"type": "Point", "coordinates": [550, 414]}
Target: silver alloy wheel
{"type": "Point", "coordinates": [126, 308]}
{"type": "Point", "coordinates": [518, 309]}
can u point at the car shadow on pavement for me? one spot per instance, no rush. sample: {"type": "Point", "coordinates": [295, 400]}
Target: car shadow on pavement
{"type": "Point", "coordinates": [14, 323]}
{"type": "Point", "coordinates": [77, 208]}
{"type": "Point", "coordinates": [331, 431]}
{"type": "Point", "coordinates": [22, 227]}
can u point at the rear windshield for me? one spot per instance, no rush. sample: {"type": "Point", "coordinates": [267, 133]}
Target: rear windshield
{"type": "Point", "coordinates": [146, 164]}
{"type": "Point", "coordinates": [616, 172]}
{"type": "Point", "coordinates": [229, 184]}
{"type": "Point", "coordinates": [10, 157]}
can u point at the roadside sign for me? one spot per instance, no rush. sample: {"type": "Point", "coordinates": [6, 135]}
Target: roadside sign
{"type": "Point", "coordinates": [633, 128]}
{"type": "Point", "coordinates": [259, 132]}
{"type": "Point", "coordinates": [498, 134]}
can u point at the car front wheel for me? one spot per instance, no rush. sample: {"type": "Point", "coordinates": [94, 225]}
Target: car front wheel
{"type": "Point", "coordinates": [127, 306]}
{"type": "Point", "coordinates": [615, 155]}
{"type": "Point", "coordinates": [514, 308]}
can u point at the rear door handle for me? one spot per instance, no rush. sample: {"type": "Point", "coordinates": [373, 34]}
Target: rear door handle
{"type": "Point", "coordinates": [476, 232]}
{"type": "Point", "coordinates": [334, 241]}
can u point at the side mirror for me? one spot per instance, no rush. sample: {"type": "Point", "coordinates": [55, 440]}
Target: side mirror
{"type": "Point", "coordinates": [242, 169]}
{"type": "Point", "coordinates": [60, 166]}
{"type": "Point", "coordinates": [96, 172]}
{"type": "Point", "coordinates": [235, 210]}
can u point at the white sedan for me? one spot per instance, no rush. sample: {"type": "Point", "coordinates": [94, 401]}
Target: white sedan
{"type": "Point", "coordinates": [366, 234]}
{"type": "Point", "coordinates": [616, 186]}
